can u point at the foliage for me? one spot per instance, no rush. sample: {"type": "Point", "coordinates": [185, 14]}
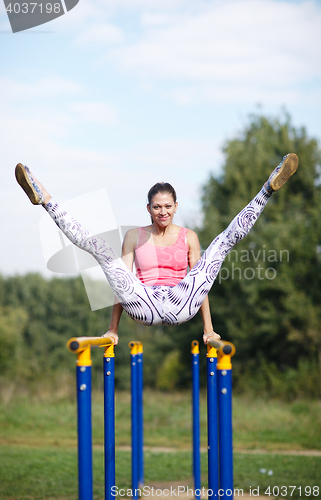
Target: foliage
{"type": "Point", "coordinates": [37, 318]}
{"type": "Point", "coordinates": [302, 382]}
{"type": "Point", "coordinates": [169, 372]}
{"type": "Point", "coordinates": [12, 322]}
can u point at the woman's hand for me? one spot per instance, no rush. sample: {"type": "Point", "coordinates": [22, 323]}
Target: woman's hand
{"type": "Point", "coordinates": [112, 335]}
{"type": "Point", "coordinates": [210, 335]}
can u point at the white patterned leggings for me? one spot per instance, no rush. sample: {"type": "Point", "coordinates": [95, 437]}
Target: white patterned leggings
{"type": "Point", "coordinates": [155, 305]}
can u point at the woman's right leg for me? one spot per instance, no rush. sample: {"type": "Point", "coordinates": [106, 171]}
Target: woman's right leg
{"type": "Point", "coordinates": [185, 299]}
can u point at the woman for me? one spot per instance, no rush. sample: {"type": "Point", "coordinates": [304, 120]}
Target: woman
{"type": "Point", "coordinates": [162, 292]}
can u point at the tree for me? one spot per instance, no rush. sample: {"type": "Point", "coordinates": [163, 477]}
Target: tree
{"type": "Point", "coordinates": [12, 323]}
{"type": "Point", "coordinates": [268, 294]}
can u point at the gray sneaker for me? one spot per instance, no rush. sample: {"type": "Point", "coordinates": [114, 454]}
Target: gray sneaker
{"type": "Point", "coordinates": [282, 172]}
{"type": "Point", "coordinates": [28, 184]}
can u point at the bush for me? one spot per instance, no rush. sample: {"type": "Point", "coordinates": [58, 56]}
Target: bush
{"type": "Point", "coordinates": [169, 373]}
{"type": "Point", "coordinates": [268, 381]}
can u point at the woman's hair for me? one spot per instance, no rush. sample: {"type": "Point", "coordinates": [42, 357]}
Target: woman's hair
{"type": "Point", "coordinates": [161, 187]}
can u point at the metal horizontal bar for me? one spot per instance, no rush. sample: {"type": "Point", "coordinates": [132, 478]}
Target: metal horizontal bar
{"type": "Point", "coordinates": [78, 344]}
{"type": "Point", "coordinates": [223, 346]}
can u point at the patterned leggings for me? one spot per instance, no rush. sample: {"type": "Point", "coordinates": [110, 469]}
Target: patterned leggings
{"type": "Point", "coordinates": [155, 305]}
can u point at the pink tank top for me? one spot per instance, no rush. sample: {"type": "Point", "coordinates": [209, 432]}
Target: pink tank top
{"type": "Point", "coordinates": [161, 265]}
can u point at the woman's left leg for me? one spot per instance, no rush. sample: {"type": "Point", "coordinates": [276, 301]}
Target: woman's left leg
{"type": "Point", "coordinates": [142, 303]}
{"type": "Point", "coordinates": [185, 299]}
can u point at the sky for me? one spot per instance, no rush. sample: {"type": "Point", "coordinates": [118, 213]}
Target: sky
{"type": "Point", "coordinates": [117, 95]}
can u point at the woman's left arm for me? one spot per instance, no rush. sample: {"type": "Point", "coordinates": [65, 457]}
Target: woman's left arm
{"type": "Point", "coordinates": [194, 255]}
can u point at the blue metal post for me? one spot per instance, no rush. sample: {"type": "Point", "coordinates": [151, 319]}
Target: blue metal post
{"type": "Point", "coordinates": [196, 420]}
{"type": "Point", "coordinates": [85, 464]}
{"type": "Point", "coordinates": [140, 416]}
{"type": "Point", "coordinates": [109, 413]}
{"type": "Point", "coordinates": [225, 431]}
{"type": "Point", "coordinates": [134, 410]}
{"type": "Point", "coordinates": [212, 422]}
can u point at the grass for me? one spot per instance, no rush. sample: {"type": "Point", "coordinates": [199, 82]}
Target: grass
{"type": "Point", "coordinates": [38, 444]}
{"type": "Point", "coordinates": [271, 425]}
{"type": "Point", "coordinates": [51, 473]}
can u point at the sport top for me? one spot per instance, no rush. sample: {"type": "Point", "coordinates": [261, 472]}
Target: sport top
{"type": "Point", "coordinates": [161, 265]}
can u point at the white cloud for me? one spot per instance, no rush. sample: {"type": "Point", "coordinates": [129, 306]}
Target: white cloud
{"type": "Point", "coordinates": [209, 51]}
{"type": "Point", "coordinates": [36, 111]}
{"type": "Point", "coordinates": [245, 94]}
{"type": "Point", "coordinates": [48, 88]}
{"type": "Point", "coordinates": [205, 51]}
{"type": "Point", "coordinates": [138, 5]}
{"type": "Point", "coordinates": [262, 45]}
{"type": "Point", "coordinates": [104, 33]}
{"type": "Point", "coordinates": [95, 112]}
{"type": "Point", "coordinates": [236, 40]}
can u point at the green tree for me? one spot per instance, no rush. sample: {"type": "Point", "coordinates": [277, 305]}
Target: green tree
{"type": "Point", "coordinates": [12, 324]}
{"type": "Point", "coordinates": [272, 312]}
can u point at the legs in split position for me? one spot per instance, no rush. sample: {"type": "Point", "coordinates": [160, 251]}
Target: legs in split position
{"type": "Point", "coordinates": [152, 305]}
{"type": "Point", "coordinates": [161, 304]}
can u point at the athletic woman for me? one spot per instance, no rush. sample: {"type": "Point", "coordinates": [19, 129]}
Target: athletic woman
{"type": "Point", "coordinates": [162, 292]}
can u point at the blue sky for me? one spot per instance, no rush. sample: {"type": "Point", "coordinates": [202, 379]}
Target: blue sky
{"type": "Point", "coordinates": [121, 94]}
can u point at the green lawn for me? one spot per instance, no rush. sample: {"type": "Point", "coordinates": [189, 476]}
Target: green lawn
{"type": "Point", "coordinates": [271, 425]}
{"type": "Point", "coordinates": [38, 445]}
{"type": "Point", "coordinates": [51, 472]}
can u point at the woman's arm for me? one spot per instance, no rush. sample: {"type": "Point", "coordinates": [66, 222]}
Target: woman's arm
{"type": "Point", "coordinates": [194, 255]}
{"type": "Point", "coordinates": [128, 253]}
{"type": "Point", "coordinates": [114, 322]}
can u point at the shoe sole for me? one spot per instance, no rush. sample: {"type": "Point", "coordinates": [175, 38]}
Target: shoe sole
{"type": "Point", "coordinates": [288, 168]}
{"type": "Point", "coordinates": [23, 180]}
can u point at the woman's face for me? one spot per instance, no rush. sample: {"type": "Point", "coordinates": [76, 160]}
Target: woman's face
{"type": "Point", "coordinates": [162, 209]}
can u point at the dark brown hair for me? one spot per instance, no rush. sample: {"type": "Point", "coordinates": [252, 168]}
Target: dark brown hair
{"type": "Point", "coordinates": [161, 187]}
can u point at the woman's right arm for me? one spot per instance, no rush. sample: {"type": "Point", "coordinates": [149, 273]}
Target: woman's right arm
{"type": "Point", "coordinates": [128, 255]}
{"type": "Point", "coordinates": [114, 322]}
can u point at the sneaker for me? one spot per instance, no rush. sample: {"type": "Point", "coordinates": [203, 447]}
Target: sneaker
{"type": "Point", "coordinates": [28, 184]}
{"type": "Point", "coordinates": [282, 172]}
